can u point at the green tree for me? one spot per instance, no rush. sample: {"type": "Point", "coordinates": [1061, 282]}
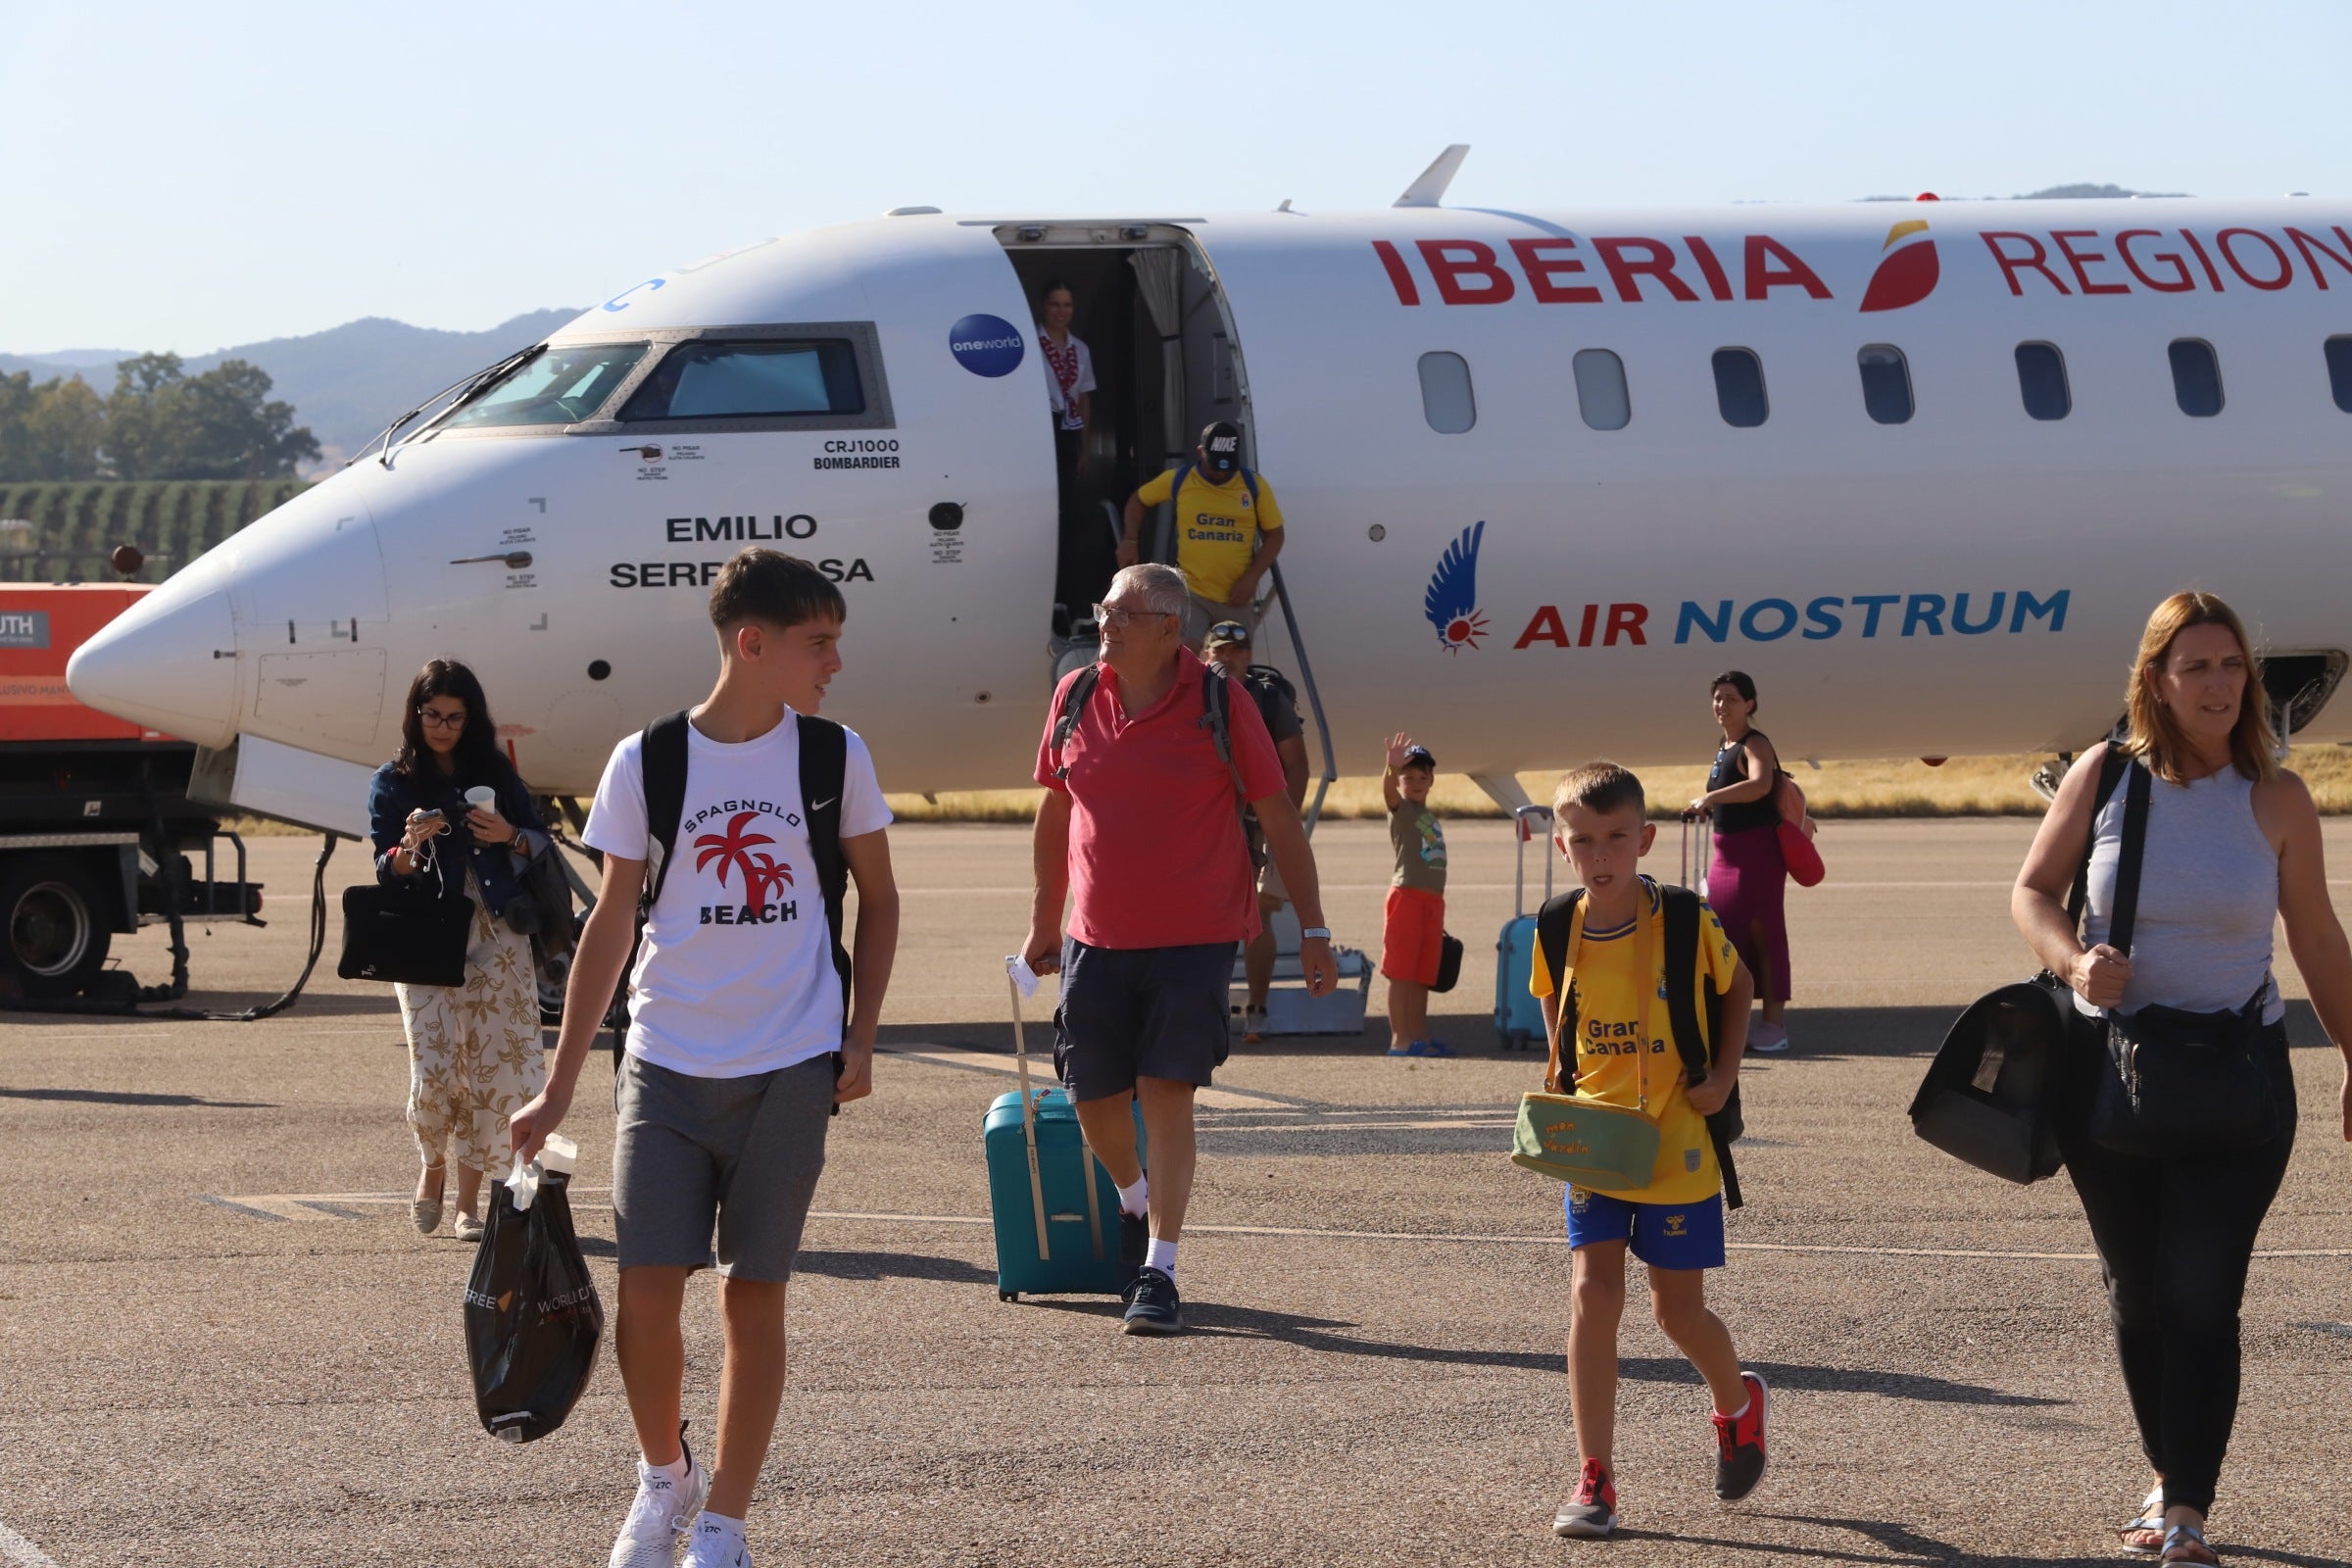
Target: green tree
{"type": "Point", "coordinates": [48, 431]}
{"type": "Point", "coordinates": [162, 423]}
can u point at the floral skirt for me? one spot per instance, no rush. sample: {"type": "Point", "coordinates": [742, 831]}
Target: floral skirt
{"type": "Point", "coordinates": [475, 1053]}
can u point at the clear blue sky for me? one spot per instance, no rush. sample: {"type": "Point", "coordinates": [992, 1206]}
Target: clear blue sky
{"type": "Point", "coordinates": [192, 176]}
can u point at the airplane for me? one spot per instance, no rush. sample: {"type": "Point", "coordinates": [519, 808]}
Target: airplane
{"type": "Point", "coordinates": [1922, 469]}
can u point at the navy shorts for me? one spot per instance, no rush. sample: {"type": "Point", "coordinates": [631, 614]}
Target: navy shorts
{"type": "Point", "coordinates": [1663, 1235]}
{"type": "Point", "coordinates": [1140, 1012]}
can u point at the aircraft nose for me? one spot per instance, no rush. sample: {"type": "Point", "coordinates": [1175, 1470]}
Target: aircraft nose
{"type": "Point", "coordinates": [167, 662]}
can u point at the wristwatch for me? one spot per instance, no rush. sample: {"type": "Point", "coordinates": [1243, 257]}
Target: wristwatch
{"type": "Point", "coordinates": [1315, 933]}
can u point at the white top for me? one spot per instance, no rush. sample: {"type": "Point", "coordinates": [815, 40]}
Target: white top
{"type": "Point", "coordinates": [1085, 383]}
{"type": "Point", "coordinates": [2208, 898]}
{"type": "Point", "coordinates": [735, 975]}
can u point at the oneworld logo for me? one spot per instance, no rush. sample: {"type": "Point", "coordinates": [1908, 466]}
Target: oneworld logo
{"type": "Point", "coordinates": [986, 345]}
{"type": "Point", "coordinates": [1907, 271]}
{"type": "Point", "coordinates": [1451, 601]}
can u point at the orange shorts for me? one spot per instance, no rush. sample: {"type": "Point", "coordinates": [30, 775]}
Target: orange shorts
{"type": "Point", "coordinates": [1412, 927]}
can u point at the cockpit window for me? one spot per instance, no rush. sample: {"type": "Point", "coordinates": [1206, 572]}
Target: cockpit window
{"type": "Point", "coordinates": [762, 380]}
{"type": "Point", "coordinates": [561, 384]}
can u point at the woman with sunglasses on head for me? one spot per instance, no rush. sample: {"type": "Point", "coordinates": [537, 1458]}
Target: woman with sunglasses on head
{"type": "Point", "coordinates": [474, 1051]}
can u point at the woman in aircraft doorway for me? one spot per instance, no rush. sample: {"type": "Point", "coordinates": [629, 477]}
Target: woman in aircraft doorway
{"type": "Point", "coordinates": [1747, 881]}
{"type": "Point", "coordinates": [1088, 540]}
{"type": "Point", "coordinates": [475, 1054]}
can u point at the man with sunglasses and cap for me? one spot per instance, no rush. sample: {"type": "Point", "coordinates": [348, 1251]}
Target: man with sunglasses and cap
{"type": "Point", "coordinates": [1228, 529]}
{"type": "Point", "coordinates": [1277, 700]}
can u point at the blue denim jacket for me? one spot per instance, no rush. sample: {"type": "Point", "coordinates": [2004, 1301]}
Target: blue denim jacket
{"type": "Point", "coordinates": [391, 797]}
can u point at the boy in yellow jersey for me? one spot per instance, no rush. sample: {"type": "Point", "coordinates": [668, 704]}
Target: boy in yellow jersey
{"type": "Point", "coordinates": [1228, 529]}
{"type": "Point", "coordinates": [1613, 969]}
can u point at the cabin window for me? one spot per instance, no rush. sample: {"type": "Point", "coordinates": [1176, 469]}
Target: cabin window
{"type": "Point", "coordinates": [1600, 393]}
{"type": "Point", "coordinates": [1740, 388]}
{"type": "Point", "coordinates": [2339, 371]}
{"type": "Point", "coordinates": [1886, 384]}
{"type": "Point", "coordinates": [766, 379]}
{"type": "Point", "coordinates": [1447, 402]}
{"type": "Point", "coordinates": [2041, 381]}
{"type": "Point", "coordinates": [2196, 378]}
{"type": "Point", "coordinates": [559, 384]}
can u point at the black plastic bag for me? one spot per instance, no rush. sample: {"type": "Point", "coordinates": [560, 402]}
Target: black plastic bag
{"type": "Point", "coordinates": [532, 1318]}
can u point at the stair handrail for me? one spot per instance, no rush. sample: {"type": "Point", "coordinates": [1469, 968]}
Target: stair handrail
{"type": "Point", "coordinates": [1314, 699]}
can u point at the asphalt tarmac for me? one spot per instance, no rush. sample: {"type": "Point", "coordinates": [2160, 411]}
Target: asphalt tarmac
{"type": "Point", "coordinates": [222, 1342]}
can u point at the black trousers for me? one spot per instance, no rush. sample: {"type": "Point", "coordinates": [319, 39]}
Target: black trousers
{"type": "Point", "coordinates": [2176, 1235]}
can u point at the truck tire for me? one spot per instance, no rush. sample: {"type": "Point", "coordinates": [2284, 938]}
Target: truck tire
{"type": "Point", "coordinates": [57, 941]}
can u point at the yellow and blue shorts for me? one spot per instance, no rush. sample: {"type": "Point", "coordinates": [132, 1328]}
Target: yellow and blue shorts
{"type": "Point", "coordinates": [1662, 1235]}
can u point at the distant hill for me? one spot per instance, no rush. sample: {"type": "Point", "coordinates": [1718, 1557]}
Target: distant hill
{"type": "Point", "coordinates": [346, 383]}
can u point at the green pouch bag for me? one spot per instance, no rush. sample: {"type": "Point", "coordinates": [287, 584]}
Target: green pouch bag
{"type": "Point", "coordinates": [1606, 1147]}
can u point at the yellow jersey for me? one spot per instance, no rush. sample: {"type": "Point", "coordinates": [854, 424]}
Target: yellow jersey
{"type": "Point", "coordinates": [1617, 1067]}
{"type": "Point", "coordinates": [1216, 527]}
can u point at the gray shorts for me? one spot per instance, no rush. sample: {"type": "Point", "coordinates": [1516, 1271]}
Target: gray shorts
{"type": "Point", "coordinates": [743, 1153]}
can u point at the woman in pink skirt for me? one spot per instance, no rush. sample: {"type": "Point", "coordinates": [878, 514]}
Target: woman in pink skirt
{"type": "Point", "coordinates": [1747, 881]}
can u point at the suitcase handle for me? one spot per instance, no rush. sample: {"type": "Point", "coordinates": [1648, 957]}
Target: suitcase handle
{"type": "Point", "coordinates": [1521, 819]}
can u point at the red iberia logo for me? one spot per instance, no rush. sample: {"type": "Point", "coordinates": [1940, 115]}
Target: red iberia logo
{"type": "Point", "coordinates": [1908, 269]}
{"type": "Point", "coordinates": [1451, 602]}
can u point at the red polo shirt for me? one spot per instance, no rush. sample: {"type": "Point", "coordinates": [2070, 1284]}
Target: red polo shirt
{"type": "Point", "coordinates": [1156, 854]}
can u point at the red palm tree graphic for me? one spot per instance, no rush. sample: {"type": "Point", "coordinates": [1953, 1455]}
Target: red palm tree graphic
{"type": "Point", "coordinates": [761, 875]}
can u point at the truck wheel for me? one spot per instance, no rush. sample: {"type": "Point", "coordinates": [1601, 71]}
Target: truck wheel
{"type": "Point", "coordinates": [55, 940]}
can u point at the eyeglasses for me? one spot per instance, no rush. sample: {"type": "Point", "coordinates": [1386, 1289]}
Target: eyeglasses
{"type": "Point", "coordinates": [1119, 615]}
{"type": "Point", "coordinates": [435, 720]}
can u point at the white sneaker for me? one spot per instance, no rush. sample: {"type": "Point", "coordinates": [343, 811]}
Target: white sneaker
{"type": "Point", "coordinates": [664, 1512]}
{"type": "Point", "coordinates": [1768, 1037]}
{"type": "Point", "coordinates": [715, 1545]}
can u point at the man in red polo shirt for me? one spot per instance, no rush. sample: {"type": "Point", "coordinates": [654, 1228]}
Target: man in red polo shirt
{"type": "Point", "coordinates": [1141, 819]}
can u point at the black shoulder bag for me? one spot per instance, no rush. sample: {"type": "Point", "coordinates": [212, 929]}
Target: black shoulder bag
{"type": "Point", "coordinates": [2176, 1080]}
{"type": "Point", "coordinates": [1994, 1095]}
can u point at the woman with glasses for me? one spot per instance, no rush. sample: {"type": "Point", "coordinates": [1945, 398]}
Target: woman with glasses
{"type": "Point", "coordinates": [474, 1055]}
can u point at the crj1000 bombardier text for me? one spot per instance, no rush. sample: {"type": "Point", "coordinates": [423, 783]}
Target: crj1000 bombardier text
{"type": "Point", "coordinates": [1922, 469]}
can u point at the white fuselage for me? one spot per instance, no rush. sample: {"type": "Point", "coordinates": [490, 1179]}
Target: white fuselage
{"type": "Point", "coordinates": [1969, 580]}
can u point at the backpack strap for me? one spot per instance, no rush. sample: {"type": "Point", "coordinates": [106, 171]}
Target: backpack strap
{"type": "Point", "coordinates": [2111, 771]}
{"type": "Point", "coordinates": [1693, 1027]}
{"type": "Point", "coordinates": [1073, 709]}
{"type": "Point", "coordinates": [1216, 717]}
{"type": "Point", "coordinates": [661, 761]}
{"type": "Point", "coordinates": [824, 767]}
{"type": "Point", "coordinates": [1249, 482]}
{"type": "Point", "coordinates": [1554, 923]}
{"type": "Point", "coordinates": [2127, 862]}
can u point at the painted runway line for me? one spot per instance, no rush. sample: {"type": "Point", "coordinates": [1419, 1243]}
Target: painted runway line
{"type": "Point", "coordinates": [337, 1205]}
{"type": "Point", "coordinates": [16, 1550]}
{"type": "Point", "coordinates": [1041, 1072]}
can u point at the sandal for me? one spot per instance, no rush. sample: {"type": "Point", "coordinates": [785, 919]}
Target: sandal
{"type": "Point", "coordinates": [2143, 1536]}
{"type": "Point", "coordinates": [2187, 1544]}
{"type": "Point", "coordinates": [426, 1211]}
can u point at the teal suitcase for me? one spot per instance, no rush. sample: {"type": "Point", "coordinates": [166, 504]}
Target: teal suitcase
{"type": "Point", "coordinates": [1518, 1016]}
{"type": "Point", "coordinates": [1074, 1194]}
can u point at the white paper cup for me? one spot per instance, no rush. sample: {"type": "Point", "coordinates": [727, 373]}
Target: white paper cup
{"type": "Point", "coordinates": [482, 798]}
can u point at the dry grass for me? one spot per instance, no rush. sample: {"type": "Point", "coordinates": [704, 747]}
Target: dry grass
{"type": "Point", "coordinates": [1964, 786]}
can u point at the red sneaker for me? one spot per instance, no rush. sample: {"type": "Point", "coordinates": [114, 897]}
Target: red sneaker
{"type": "Point", "coordinates": [1591, 1511]}
{"type": "Point", "coordinates": [1739, 1445]}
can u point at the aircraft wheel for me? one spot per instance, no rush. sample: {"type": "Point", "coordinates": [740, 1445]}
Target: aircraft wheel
{"type": "Point", "coordinates": [55, 940]}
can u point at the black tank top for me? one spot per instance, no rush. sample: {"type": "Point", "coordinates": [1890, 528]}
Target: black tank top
{"type": "Point", "coordinates": [1731, 767]}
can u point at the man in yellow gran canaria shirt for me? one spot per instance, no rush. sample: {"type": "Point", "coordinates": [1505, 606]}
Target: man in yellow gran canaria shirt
{"type": "Point", "coordinates": [1228, 529]}
{"type": "Point", "coordinates": [1623, 1053]}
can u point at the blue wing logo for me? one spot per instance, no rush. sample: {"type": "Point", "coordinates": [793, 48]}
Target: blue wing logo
{"type": "Point", "coordinates": [1451, 603]}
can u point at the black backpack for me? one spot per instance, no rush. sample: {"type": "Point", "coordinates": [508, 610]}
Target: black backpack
{"type": "Point", "coordinates": [1691, 1026]}
{"type": "Point", "coordinates": [824, 765]}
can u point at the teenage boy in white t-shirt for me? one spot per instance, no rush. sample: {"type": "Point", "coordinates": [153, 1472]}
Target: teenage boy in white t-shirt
{"type": "Point", "coordinates": [736, 1024]}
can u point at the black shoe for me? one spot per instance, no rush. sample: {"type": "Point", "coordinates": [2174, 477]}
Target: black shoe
{"type": "Point", "coordinates": [1739, 1445]}
{"type": "Point", "coordinates": [1152, 1307]}
{"type": "Point", "coordinates": [1135, 1242]}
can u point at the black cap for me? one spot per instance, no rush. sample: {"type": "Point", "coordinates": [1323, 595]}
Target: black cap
{"type": "Point", "coordinates": [1420, 755]}
{"type": "Point", "coordinates": [1221, 446]}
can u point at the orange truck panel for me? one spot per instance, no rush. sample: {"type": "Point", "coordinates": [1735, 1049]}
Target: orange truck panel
{"type": "Point", "coordinates": [40, 626]}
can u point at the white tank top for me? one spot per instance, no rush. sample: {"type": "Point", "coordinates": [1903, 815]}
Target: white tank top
{"type": "Point", "coordinates": [2208, 898]}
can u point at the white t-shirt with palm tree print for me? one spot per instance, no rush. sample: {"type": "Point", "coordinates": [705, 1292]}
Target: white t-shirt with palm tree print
{"type": "Point", "coordinates": [735, 975]}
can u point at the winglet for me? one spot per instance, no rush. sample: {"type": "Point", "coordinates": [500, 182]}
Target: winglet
{"type": "Point", "coordinates": [1430, 189]}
